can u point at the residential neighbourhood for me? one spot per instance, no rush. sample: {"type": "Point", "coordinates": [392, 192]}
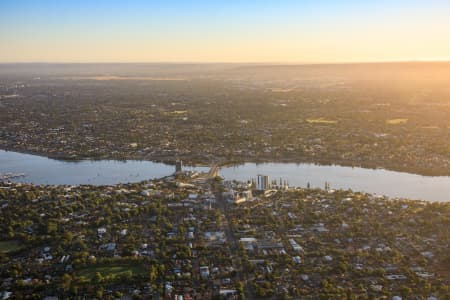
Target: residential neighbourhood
{"type": "Point", "coordinates": [228, 117]}
{"type": "Point", "coordinates": [188, 236]}
{"type": "Point", "coordinates": [224, 150]}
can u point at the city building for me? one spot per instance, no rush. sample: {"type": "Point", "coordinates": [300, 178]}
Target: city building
{"type": "Point", "coordinates": [262, 182]}
{"type": "Point", "coordinates": [179, 166]}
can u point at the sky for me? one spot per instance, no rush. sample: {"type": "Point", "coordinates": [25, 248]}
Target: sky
{"type": "Point", "coordinates": [279, 31]}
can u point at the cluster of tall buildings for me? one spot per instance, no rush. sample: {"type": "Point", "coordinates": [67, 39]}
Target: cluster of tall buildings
{"type": "Point", "coordinates": [262, 182]}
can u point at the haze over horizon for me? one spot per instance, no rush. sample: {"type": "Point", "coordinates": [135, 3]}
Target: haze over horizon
{"type": "Point", "coordinates": [224, 31]}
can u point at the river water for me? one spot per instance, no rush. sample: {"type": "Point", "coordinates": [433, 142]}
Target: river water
{"type": "Point", "coordinates": [42, 170]}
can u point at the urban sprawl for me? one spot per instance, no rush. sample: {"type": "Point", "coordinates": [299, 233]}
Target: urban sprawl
{"type": "Point", "coordinates": [194, 236]}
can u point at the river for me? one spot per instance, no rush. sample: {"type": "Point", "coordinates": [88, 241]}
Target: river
{"type": "Point", "coordinates": [42, 170]}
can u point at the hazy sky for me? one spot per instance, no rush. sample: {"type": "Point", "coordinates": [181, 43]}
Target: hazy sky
{"type": "Point", "coordinates": [224, 30]}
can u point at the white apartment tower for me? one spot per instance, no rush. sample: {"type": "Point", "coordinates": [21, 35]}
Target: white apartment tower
{"type": "Point", "coordinates": [262, 182]}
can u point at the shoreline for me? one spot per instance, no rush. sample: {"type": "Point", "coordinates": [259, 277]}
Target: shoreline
{"type": "Point", "coordinates": [373, 189]}
{"type": "Point", "coordinates": [222, 163]}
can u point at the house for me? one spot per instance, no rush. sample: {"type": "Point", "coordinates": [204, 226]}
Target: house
{"type": "Point", "coordinates": [193, 196]}
{"type": "Point", "coordinates": [396, 277]}
{"type": "Point", "coordinates": [108, 247]}
{"type": "Point", "coordinates": [5, 295]}
{"type": "Point", "coordinates": [227, 293]}
{"type": "Point", "coordinates": [101, 231]}
{"type": "Point", "coordinates": [320, 228]}
{"type": "Point", "coordinates": [248, 243]}
{"type": "Point", "coordinates": [296, 247]}
{"type": "Point", "coordinates": [215, 236]}
{"type": "Point", "coordinates": [204, 272]}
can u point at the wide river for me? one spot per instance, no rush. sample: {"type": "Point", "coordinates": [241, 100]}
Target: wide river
{"type": "Point", "coordinates": [42, 170]}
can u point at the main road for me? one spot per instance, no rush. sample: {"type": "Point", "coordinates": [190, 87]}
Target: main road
{"type": "Point", "coordinates": [233, 242]}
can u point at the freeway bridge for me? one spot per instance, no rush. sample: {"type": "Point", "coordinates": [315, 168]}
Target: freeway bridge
{"type": "Point", "coordinates": [213, 172]}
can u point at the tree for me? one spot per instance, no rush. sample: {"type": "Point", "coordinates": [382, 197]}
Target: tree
{"type": "Point", "coordinates": [66, 281]}
{"type": "Point", "coordinates": [99, 293]}
{"type": "Point", "coordinates": [98, 278]}
{"type": "Point", "coordinates": [240, 290]}
{"type": "Point", "coordinates": [153, 273]}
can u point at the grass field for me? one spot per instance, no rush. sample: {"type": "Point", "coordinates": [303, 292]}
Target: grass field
{"type": "Point", "coordinates": [178, 112]}
{"type": "Point", "coordinates": [320, 121]}
{"type": "Point", "coordinates": [10, 246]}
{"type": "Point", "coordinates": [113, 270]}
{"type": "Point", "coordinates": [396, 121]}
{"type": "Point", "coordinates": [280, 90]}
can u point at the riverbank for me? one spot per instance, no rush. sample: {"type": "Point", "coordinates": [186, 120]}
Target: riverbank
{"type": "Point", "coordinates": [43, 170]}
{"type": "Point", "coordinates": [204, 161]}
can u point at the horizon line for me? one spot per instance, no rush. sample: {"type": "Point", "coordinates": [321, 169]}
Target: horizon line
{"type": "Point", "coordinates": [228, 63]}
